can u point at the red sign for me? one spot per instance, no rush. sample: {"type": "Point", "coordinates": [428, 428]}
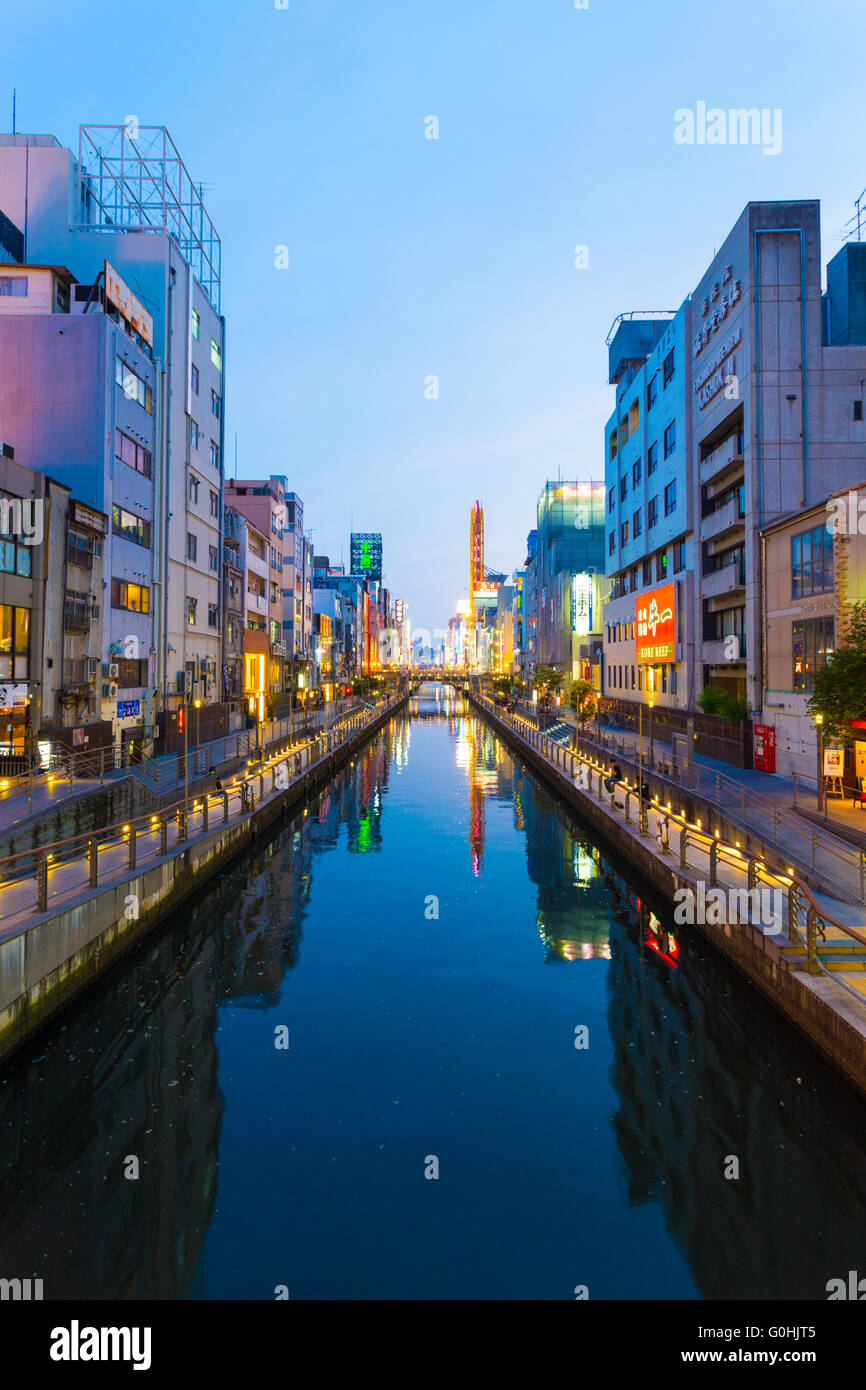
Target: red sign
{"type": "Point", "coordinates": [765, 748]}
{"type": "Point", "coordinates": [656, 625]}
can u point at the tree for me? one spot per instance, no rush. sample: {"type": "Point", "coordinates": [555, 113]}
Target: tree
{"type": "Point", "coordinates": [582, 700]}
{"type": "Point", "coordinates": [724, 703]}
{"type": "Point", "coordinates": [839, 688]}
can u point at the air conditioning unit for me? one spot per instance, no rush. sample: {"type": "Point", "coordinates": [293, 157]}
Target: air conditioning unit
{"type": "Point", "coordinates": [113, 670]}
{"type": "Point", "coordinates": [109, 690]}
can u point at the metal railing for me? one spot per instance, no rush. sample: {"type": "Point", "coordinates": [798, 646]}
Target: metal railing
{"type": "Point", "coordinates": [79, 863]}
{"type": "Point", "coordinates": [763, 865]}
{"type": "Point", "coordinates": [799, 840]}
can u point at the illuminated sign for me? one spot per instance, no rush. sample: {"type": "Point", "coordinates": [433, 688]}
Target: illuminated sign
{"type": "Point", "coordinates": [118, 293]}
{"type": "Point", "coordinates": [128, 709]}
{"type": "Point", "coordinates": [656, 625]}
{"type": "Point", "coordinates": [398, 611]}
{"type": "Point", "coordinates": [581, 604]}
{"type": "Point", "coordinates": [13, 696]}
{"type": "Point", "coordinates": [366, 554]}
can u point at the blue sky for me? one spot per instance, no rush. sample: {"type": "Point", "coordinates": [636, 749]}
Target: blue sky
{"type": "Point", "coordinates": [452, 257]}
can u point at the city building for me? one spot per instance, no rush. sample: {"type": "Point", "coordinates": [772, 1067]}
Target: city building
{"type": "Point", "coordinates": [570, 542]}
{"type": "Point", "coordinates": [756, 414]}
{"type": "Point", "coordinates": [123, 403]}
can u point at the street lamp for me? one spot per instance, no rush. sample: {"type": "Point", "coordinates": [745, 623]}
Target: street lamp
{"type": "Point", "coordinates": [819, 730]}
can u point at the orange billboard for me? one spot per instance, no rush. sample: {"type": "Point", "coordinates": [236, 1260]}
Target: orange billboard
{"type": "Point", "coordinates": [121, 296]}
{"type": "Point", "coordinates": [656, 625]}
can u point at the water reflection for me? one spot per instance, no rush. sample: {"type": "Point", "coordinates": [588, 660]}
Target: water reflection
{"type": "Point", "coordinates": [408, 1032]}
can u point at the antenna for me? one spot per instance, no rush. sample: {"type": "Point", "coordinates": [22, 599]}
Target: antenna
{"type": "Point", "coordinates": [14, 95]}
{"type": "Point", "coordinates": [858, 218]}
{"type": "Point", "coordinates": [236, 455]}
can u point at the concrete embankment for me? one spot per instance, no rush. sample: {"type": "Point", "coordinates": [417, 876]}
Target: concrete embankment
{"type": "Point", "coordinates": [831, 1019]}
{"type": "Point", "coordinates": [49, 958]}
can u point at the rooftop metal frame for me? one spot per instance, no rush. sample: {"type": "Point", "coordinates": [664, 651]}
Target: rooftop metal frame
{"type": "Point", "coordinates": [134, 180]}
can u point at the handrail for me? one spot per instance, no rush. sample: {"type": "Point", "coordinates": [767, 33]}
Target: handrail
{"type": "Point", "coordinates": [35, 862]}
{"type": "Point", "coordinates": [728, 788]}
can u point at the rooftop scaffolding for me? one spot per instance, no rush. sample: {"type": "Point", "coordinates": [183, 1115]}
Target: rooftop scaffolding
{"type": "Point", "coordinates": [134, 180]}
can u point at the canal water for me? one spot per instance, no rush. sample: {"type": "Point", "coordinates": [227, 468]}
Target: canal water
{"type": "Point", "coordinates": [394, 986]}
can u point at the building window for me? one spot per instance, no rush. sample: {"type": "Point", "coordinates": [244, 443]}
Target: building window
{"type": "Point", "coordinates": [636, 523]}
{"type": "Point", "coordinates": [130, 526]}
{"type": "Point", "coordinates": [215, 404]}
{"type": "Point", "coordinates": [811, 562]}
{"type": "Point", "coordinates": [191, 606]}
{"type": "Point", "coordinates": [194, 484]}
{"type": "Point", "coordinates": [858, 410]}
{"type": "Point", "coordinates": [214, 503]}
{"type": "Point", "coordinates": [191, 546]}
{"type": "Point", "coordinates": [611, 542]}
{"type": "Point", "coordinates": [193, 433]}
{"type": "Point", "coordinates": [670, 498]}
{"type": "Point", "coordinates": [216, 355]}
{"type": "Point", "coordinates": [670, 438]}
{"type": "Point", "coordinates": [14, 285]}
{"type": "Point", "coordinates": [194, 379]}
{"type": "Point", "coordinates": [196, 324]}
{"type": "Point", "coordinates": [652, 391]}
{"type": "Point", "coordinates": [212, 615]}
{"type": "Point", "coordinates": [662, 565]}
{"type": "Point", "coordinates": [15, 556]}
{"type": "Point", "coordinates": [623, 533]}
{"type": "Point", "coordinates": [135, 598]}
{"type": "Point", "coordinates": [623, 488]}
{"type": "Point", "coordinates": [652, 459]}
{"type": "Point", "coordinates": [652, 513]}
{"type": "Point", "coordinates": [213, 558]}
{"type": "Point", "coordinates": [15, 642]}
{"type": "Point", "coordinates": [135, 388]}
{"type": "Point", "coordinates": [668, 368]}
{"type": "Point", "coordinates": [635, 473]}
{"type": "Point", "coordinates": [679, 556]}
{"type": "Point", "coordinates": [214, 455]}
{"type": "Point", "coordinates": [813, 642]}
{"type": "Point", "coordinates": [647, 572]}
{"type": "Point", "coordinates": [611, 499]}
{"type": "Point", "coordinates": [133, 454]}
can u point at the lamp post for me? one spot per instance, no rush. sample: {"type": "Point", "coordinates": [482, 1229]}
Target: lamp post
{"type": "Point", "coordinates": [819, 732]}
{"type": "Point", "coordinates": [652, 700]}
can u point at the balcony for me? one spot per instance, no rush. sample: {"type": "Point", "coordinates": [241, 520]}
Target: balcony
{"type": "Point", "coordinates": [725, 518]}
{"type": "Point", "coordinates": [724, 581]}
{"type": "Point", "coordinates": [728, 455]}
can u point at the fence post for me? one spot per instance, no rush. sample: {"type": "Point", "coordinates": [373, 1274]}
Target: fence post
{"type": "Point", "coordinates": [204, 809]}
{"type": "Point", "coordinates": [132, 844]}
{"type": "Point", "coordinates": [163, 834]}
{"type": "Point", "coordinates": [627, 817]}
{"type": "Point", "coordinates": [752, 871]}
{"type": "Point", "coordinates": [181, 825]}
{"type": "Point", "coordinates": [42, 881]}
{"type": "Point", "coordinates": [714, 861]}
{"type": "Point", "coordinates": [811, 941]}
{"type": "Point", "coordinates": [226, 808]}
{"type": "Point", "coordinates": [93, 862]}
{"type": "Point", "coordinates": [684, 841]}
